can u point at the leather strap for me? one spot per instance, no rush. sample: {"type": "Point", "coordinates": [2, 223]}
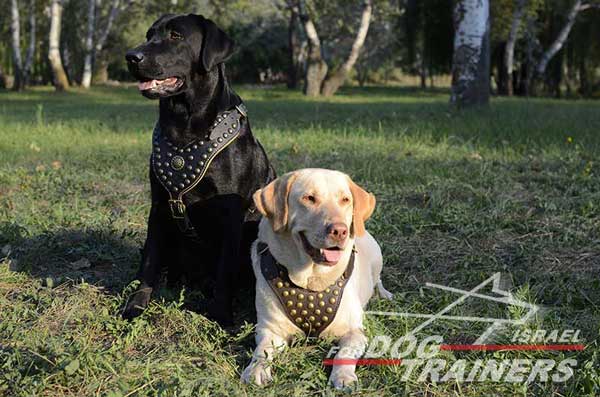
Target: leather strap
{"type": "Point", "coordinates": [311, 311]}
{"type": "Point", "coordinates": [180, 169]}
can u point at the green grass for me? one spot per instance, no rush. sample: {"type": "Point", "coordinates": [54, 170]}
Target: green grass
{"type": "Point", "coordinates": [513, 188]}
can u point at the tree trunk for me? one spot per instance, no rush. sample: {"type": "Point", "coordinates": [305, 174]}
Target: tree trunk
{"type": "Point", "coordinates": [100, 69]}
{"type": "Point", "coordinates": [2, 79]}
{"type": "Point", "coordinates": [15, 30]}
{"type": "Point", "coordinates": [509, 51]}
{"type": "Point", "coordinates": [86, 79]}
{"type": "Point", "coordinates": [560, 40]}
{"type": "Point", "coordinates": [316, 68]}
{"type": "Point", "coordinates": [333, 83]}
{"type": "Point", "coordinates": [114, 12]}
{"type": "Point", "coordinates": [471, 60]}
{"type": "Point", "coordinates": [294, 48]}
{"type": "Point", "coordinates": [61, 82]}
{"type": "Point", "coordinates": [28, 68]}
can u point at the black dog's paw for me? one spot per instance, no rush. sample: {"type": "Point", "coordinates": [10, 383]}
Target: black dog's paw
{"type": "Point", "coordinates": [137, 304]}
{"type": "Point", "coordinates": [223, 317]}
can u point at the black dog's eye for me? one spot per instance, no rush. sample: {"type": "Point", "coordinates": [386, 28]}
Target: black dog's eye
{"type": "Point", "coordinates": [175, 35]}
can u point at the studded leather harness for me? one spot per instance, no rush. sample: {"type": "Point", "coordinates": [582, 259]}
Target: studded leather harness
{"type": "Point", "coordinates": [311, 311]}
{"type": "Point", "coordinates": [180, 169]}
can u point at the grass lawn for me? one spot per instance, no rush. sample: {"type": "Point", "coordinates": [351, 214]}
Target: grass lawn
{"type": "Point", "coordinates": [514, 188]}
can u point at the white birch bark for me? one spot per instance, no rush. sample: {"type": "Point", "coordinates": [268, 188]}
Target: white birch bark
{"type": "Point", "coordinates": [28, 67]}
{"type": "Point", "coordinates": [60, 77]}
{"type": "Point", "coordinates": [316, 68]}
{"type": "Point", "coordinates": [15, 34]}
{"type": "Point", "coordinates": [333, 83]}
{"type": "Point", "coordinates": [86, 79]}
{"type": "Point", "coordinates": [509, 51]}
{"type": "Point", "coordinates": [561, 38]}
{"type": "Point", "coordinates": [471, 63]}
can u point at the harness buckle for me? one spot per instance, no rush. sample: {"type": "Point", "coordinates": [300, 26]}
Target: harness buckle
{"type": "Point", "coordinates": [242, 109]}
{"type": "Point", "coordinates": [177, 209]}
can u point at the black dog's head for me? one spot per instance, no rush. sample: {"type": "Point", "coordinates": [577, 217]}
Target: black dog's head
{"type": "Point", "coordinates": [179, 48]}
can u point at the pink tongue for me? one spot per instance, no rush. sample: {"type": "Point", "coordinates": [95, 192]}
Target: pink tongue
{"type": "Point", "coordinates": [146, 85]}
{"type": "Point", "coordinates": [332, 255]}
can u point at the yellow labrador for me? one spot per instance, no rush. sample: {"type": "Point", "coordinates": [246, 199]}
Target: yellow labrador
{"type": "Point", "coordinates": [316, 267]}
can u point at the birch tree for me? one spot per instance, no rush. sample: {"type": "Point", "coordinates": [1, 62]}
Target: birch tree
{"type": "Point", "coordinates": [471, 59]}
{"type": "Point", "coordinates": [15, 34]}
{"type": "Point", "coordinates": [61, 82]}
{"type": "Point", "coordinates": [509, 52]}
{"type": "Point", "coordinates": [316, 82]}
{"type": "Point", "coordinates": [29, 59]}
{"type": "Point", "coordinates": [86, 79]}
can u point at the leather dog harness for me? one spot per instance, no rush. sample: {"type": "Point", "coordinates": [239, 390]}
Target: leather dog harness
{"type": "Point", "coordinates": [180, 169]}
{"type": "Point", "coordinates": [311, 311]}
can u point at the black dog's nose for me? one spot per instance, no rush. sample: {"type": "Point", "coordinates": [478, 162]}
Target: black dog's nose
{"type": "Point", "coordinates": [134, 56]}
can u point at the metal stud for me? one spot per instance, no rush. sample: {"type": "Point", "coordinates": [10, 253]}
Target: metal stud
{"type": "Point", "coordinates": [340, 284]}
{"type": "Point", "coordinates": [327, 290]}
{"type": "Point", "coordinates": [201, 165]}
{"type": "Point", "coordinates": [164, 177]}
{"type": "Point", "coordinates": [230, 130]}
{"type": "Point", "coordinates": [336, 292]}
{"type": "Point", "coordinates": [317, 324]}
{"type": "Point", "coordinates": [210, 150]}
{"type": "Point", "coordinates": [219, 119]}
{"type": "Point", "coordinates": [299, 305]}
{"type": "Point", "coordinates": [187, 181]}
{"type": "Point", "coordinates": [293, 312]}
{"type": "Point", "coordinates": [175, 148]}
{"type": "Point", "coordinates": [181, 185]}
{"type": "Point", "coordinates": [219, 139]}
{"type": "Point", "coordinates": [234, 125]}
{"type": "Point", "coordinates": [157, 149]}
{"type": "Point", "coordinates": [286, 284]}
{"type": "Point", "coordinates": [285, 293]}
{"type": "Point", "coordinates": [311, 298]}
{"type": "Point", "coordinates": [166, 163]}
{"type": "Point", "coordinates": [190, 158]}
{"type": "Point", "coordinates": [175, 189]}
{"type": "Point", "coordinates": [289, 303]}
{"type": "Point", "coordinates": [317, 312]}
{"type": "Point", "coordinates": [311, 319]}
{"type": "Point", "coordinates": [279, 284]}
{"type": "Point", "coordinates": [189, 167]}
{"type": "Point", "coordinates": [332, 301]}
{"type": "Point", "coordinates": [204, 156]}
{"type": "Point", "coordinates": [304, 312]}
{"type": "Point", "coordinates": [311, 306]}
{"type": "Point", "coordinates": [293, 292]}
{"type": "Point", "coordinates": [325, 318]}
{"type": "Point", "coordinates": [321, 303]}
{"type": "Point", "coordinates": [160, 171]}
{"type": "Point", "coordinates": [184, 175]}
{"type": "Point", "coordinates": [201, 143]}
{"type": "Point", "coordinates": [180, 150]}
{"type": "Point", "coordinates": [158, 156]}
{"type": "Point", "coordinates": [170, 173]}
{"type": "Point", "coordinates": [329, 310]}
{"type": "Point", "coordinates": [225, 135]}
{"type": "Point", "coordinates": [305, 325]}
{"type": "Point", "coordinates": [320, 295]}
{"type": "Point", "coordinates": [169, 183]}
{"type": "Point", "coordinates": [194, 147]}
{"type": "Point", "coordinates": [188, 150]}
{"type": "Point", "coordinates": [298, 320]}
{"type": "Point", "coordinates": [300, 296]}
{"type": "Point", "coordinates": [215, 144]}
{"type": "Point", "coordinates": [169, 154]}
{"type": "Point", "coordinates": [193, 176]}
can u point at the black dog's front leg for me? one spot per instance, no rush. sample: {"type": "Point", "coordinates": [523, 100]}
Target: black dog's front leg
{"type": "Point", "coordinates": [149, 272]}
{"type": "Point", "coordinates": [228, 264]}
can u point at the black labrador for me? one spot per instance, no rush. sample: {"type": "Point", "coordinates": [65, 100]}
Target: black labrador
{"type": "Point", "coordinates": [204, 167]}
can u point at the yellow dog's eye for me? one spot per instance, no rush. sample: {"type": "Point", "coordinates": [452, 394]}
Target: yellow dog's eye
{"type": "Point", "coordinates": [176, 35]}
{"type": "Point", "coordinates": [310, 198]}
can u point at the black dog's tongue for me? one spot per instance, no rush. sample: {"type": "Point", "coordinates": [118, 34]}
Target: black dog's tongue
{"type": "Point", "coordinates": [148, 85]}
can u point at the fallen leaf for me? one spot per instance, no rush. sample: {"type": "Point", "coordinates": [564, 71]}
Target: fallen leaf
{"type": "Point", "coordinates": [82, 263]}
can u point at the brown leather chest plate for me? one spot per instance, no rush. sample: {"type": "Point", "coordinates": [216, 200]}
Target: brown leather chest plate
{"type": "Point", "coordinates": [311, 311]}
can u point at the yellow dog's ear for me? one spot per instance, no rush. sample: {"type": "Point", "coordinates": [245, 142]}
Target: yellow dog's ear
{"type": "Point", "coordinates": [272, 200]}
{"type": "Point", "coordinates": [364, 205]}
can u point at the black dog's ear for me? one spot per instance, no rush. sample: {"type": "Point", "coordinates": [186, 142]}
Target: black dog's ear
{"type": "Point", "coordinates": [217, 46]}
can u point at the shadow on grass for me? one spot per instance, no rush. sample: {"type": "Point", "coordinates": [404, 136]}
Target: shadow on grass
{"type": "Point", "coordinates": [102, 258]}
